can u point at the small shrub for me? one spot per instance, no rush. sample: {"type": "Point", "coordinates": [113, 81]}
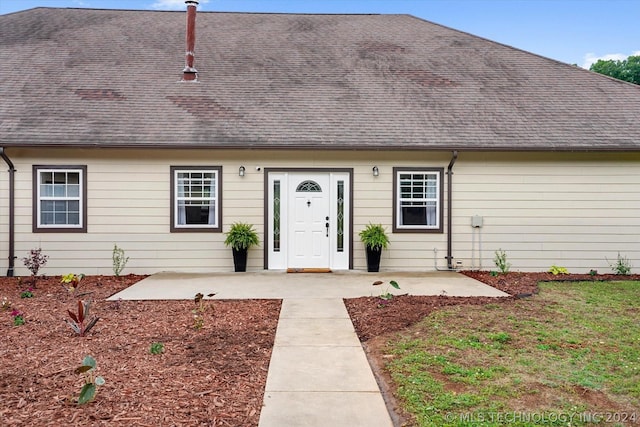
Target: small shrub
{"type": "Point", "coordinates": [555, 270]}
{"type": "Point", "coordinates": [119, 260]}
{"type": "Point", "coordinates": [91, 382]}
{"type": "Point", "coordinates": [593, 272]}
{"type": "Point", "coordinates": [34, 262]}
{"type": "Point", "coordinates": [156, 348]}
{"type": "Point", "coordinates": [621, 266]}
{"type": "Point", "coordinates": [80, 322]}
{"type": "Point", "coordinates": [500, 260]}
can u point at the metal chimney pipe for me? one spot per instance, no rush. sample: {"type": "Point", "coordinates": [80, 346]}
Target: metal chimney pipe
{"type": "Point", "coordinates": [190, 73]}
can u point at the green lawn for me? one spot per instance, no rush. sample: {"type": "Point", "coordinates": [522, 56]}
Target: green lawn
{"type": "Point", "coordinates": [568, 356]}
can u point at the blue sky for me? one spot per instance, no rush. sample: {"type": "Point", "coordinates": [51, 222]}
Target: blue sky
{"type": "Point", "coordinates": [571, 31]}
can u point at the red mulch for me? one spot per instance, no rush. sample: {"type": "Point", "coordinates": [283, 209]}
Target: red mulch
{"type": "Point", "coordinates": [214, 376]}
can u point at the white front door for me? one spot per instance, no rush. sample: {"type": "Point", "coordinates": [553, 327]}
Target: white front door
{"type": "Point", "coordinates": [308, 219]}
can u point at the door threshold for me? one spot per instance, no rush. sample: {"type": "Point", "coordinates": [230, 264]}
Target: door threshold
{"type": "Point", "coordinates": [308, 270]}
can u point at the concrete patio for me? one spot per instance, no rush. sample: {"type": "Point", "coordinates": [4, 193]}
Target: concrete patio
{"type": "Point", "coordinates": [282, 285]}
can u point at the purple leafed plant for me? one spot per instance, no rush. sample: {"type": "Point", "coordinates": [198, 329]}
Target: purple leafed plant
{"type": "Point", "coordinates": [34, 262]}
{"type": "Point", "coordinates": [80, 322]}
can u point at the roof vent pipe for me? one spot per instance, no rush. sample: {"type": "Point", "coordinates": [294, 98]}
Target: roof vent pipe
{"type": "Point", "coordinates": [190, 73]}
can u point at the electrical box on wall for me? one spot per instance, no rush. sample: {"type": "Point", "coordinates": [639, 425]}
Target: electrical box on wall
{"type": "Point", "coordinates": [476, 221]}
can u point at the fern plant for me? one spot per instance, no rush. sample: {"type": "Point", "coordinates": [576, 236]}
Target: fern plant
{"type": "Point", "coordinates": [374, 236]}
{"type": "Point", "coordinates": [241, 236]}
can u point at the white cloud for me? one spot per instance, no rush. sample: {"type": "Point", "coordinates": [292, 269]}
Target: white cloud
{"type": "Point", "coordinates": [591, 58]}
{"type": "Point", "coordinates": [172, 4]}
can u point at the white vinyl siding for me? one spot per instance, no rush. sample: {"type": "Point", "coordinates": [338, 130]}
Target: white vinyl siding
{"type": "Point", "coordinates": [574, 210]}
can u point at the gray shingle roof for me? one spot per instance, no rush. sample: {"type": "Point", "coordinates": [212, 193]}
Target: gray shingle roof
{"type": "Point", "coordinates": [82, 77]}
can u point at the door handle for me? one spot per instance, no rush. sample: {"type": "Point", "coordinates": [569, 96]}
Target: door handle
{"type": "Point", "coordinates": [327, 225]}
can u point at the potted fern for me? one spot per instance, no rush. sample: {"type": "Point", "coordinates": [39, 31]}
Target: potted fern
{"type": "Point", "coordinates": [241, 237]}
{"type": "Point", "coordinates": [375, 240]}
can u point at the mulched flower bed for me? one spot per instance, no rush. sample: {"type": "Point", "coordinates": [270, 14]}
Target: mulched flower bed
{"type": "Point", "coordinates": [212, 376]}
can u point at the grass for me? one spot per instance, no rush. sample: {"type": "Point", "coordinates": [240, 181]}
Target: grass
{"type": "Point", "coordinates": [568, 356]}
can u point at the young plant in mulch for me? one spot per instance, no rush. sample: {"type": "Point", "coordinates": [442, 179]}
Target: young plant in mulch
{"type": "Point", "coordinates": [80, 322]}
{"type": "Point", "coordinates": [34, 262]}
{"type": "Point", "coordinates": [198, 312]}
{"type": "Point", "coordinates": [500, 260]}
{"type": "Point", "coordinates": [91, 381]}
{"type": "Point", "coordinates": [385, 298]}
{"type": "Point", "coordinates": [156, 348]}
{"type": "Point", "coordinates": [18, 317]}
{"type": "Point", "coordinates": [622, 265]}
{"type": "Point", "coordinates": [115, 305]}
{"type": "Point", "coordinates": [119, 260]}
{"type": "Point", "coordinates": [71, 282]}
{"type": "Point", "coordinates": [555, 270]}
{"type": "Point", "coordinates": [27, 293]}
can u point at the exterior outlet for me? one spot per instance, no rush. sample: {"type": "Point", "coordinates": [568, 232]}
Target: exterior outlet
{"type": "Point", "coordinates": [458, 264]}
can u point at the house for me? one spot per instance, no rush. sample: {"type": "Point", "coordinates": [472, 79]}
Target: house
{"type": "Point", "coordinates": [309, 127]}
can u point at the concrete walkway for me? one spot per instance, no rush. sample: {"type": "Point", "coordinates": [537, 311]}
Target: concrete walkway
{"type": "Point", "coordinates": [319, 374]}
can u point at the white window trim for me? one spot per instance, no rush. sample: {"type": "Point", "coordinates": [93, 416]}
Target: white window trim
{"type": "Point", "coordinates": [215, 198]}
{"type": "Point", "coordinates": [398, 227]}
{"type": "Point", "coordinates": [79, 198]}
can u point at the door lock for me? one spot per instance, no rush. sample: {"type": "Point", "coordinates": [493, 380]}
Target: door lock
{"type": "Point", "coordinates": [327, 225]}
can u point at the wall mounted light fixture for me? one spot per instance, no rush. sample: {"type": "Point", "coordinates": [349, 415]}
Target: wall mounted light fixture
{"type": "Point", "coordinates": [376, 172]}
{"type": "Point", "coordinates": [241, 171]}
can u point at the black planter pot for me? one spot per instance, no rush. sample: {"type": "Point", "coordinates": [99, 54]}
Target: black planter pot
{"type": "Point", "coordinates": [373, 259]}
{"type": "Point", "coordinates": [239, 259]}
